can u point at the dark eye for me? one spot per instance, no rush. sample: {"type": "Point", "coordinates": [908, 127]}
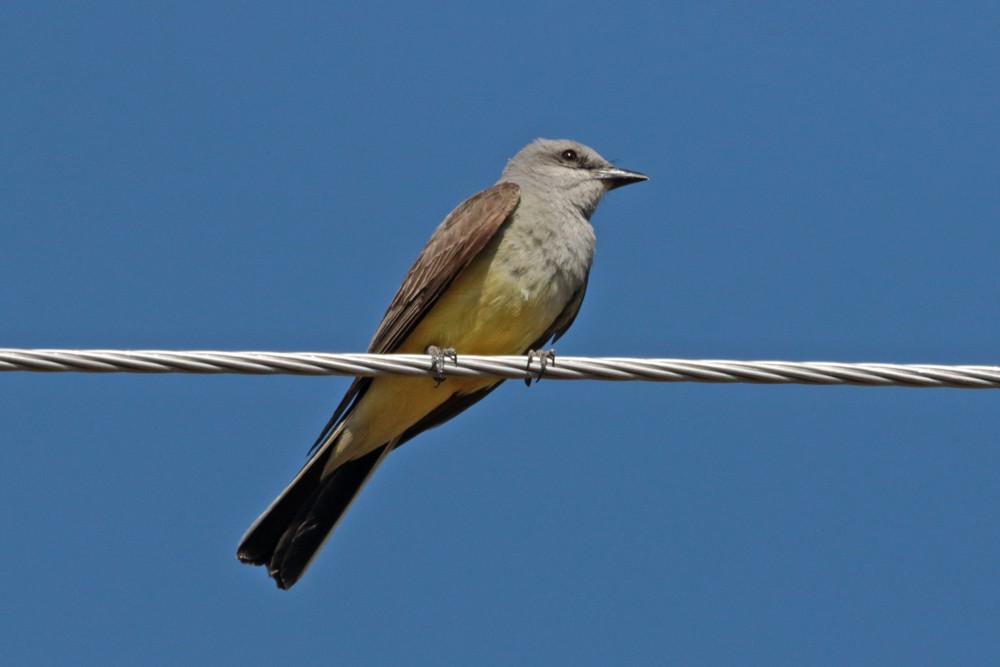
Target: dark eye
{"type": "Point", "coordinates": [569, 155]}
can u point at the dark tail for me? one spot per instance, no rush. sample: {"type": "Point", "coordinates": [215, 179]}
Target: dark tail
{"type": "Point", "coordinates": [294, 528]}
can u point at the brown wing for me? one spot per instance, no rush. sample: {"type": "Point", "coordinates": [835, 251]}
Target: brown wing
{"type": "Point", "coordinates": [462, 236]}
{"type": "Point", "coordinates": [456, 242]}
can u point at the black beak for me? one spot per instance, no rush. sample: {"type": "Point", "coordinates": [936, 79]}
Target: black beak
{"type": "Point", "coordinates": [615, 177]}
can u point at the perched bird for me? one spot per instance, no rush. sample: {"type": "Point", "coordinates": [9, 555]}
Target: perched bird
{"type": "Point", "coordinates": [503, 274]}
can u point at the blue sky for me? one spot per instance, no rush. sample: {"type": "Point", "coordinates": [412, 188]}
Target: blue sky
{"type": "Point", "coordinates": [823, 186]}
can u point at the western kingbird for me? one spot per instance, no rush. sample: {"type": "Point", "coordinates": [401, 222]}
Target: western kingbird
{"type": "Point", "coordinates": [503, 274]}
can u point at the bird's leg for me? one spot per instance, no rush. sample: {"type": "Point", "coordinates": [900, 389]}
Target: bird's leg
{"type": "Point", "coordinates": [545, 357]}
{"type": "Point", "coordinates": [438, 356]}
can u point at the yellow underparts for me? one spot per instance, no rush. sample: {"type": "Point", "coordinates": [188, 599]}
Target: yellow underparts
{"type": "Point", "coordinates": [487, 310]}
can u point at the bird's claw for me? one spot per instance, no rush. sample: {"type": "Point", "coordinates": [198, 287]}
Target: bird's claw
{"type": "Point", "coordinates": [545, 357]}
{"type": "Point", "coordinates": [438, 357]}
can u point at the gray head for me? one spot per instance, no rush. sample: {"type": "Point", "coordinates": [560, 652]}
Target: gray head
{"type": "Point", "coordinates": [565, 170]}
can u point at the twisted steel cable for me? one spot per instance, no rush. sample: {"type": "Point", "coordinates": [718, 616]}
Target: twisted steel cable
{"type": "Point", "coordinates": [511, 367]}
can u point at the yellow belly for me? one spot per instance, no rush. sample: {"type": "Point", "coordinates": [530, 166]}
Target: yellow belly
{"type": "Point", "coordinates": [487, 310]}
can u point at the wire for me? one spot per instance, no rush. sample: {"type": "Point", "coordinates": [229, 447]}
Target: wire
{"type": "Point", "coordinates": [511, 367]}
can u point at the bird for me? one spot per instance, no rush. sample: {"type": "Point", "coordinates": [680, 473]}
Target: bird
{"type": "Point", "coordinates": [505, 273]}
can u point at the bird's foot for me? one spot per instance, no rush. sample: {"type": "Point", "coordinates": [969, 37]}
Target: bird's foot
{"type": "Point", "coordinates": [545, 357]}
{"type": "Point", "coordinates": [438, 357]}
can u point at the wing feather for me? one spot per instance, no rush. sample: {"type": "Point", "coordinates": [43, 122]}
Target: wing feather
{"type": "Point", "coordinates": [455, 243]}
{"type": "Point", "coordinates": [462, 236]}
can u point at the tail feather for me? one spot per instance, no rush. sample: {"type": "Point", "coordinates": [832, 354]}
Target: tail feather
{"type": "Point", "coordinates": [291, 532]}
{"type": "Point", "coordinates": [261, 539]}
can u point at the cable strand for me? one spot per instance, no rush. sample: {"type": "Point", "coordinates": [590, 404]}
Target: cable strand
{"type": "Point", "coordinates": [509, 367]}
